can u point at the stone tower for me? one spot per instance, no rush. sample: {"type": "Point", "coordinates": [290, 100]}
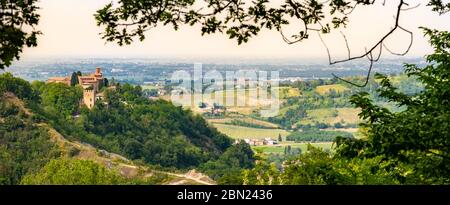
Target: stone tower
{"type": "Point", "coordinates": [89, 97]}
{"type": "Point", "coordinates": [91, 86]}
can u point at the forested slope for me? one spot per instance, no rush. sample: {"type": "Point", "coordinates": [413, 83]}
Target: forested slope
{"type": "Point", "coordinates": [149, 133]}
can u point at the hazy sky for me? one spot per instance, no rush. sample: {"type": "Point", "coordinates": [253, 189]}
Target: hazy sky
{"type": "Point", "coordinates": [69, 30]}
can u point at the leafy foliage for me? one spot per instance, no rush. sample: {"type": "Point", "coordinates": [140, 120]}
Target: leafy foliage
{"type": "Point", "coordinates": [59, 97]}
{"type": "Point", "coordinates": [73, 172]}
{"type": "Point", "coordinates": [18, 18]}
{"type": "Point", "coordinates": [317, 136]}
{"type": "Point", "coordinates": [74, 79]}
{"type": "Point", "coordinates": [155, 132]}
{"type": "Point", "coordinates": [419, 135]}
{"type": "Point", "coordinates": [240, 20]}
{"type": "Point", "coordinates": [24, 147]}
{"type": "Point", "coordinates": [318, 167]}
{"type": "Point", "coordinates": [66, 171]}
{"type": "Point", "coordinates": [20, 87]}
{"type": "Point", "coordinates": [439, 6]}
{"type": "Point", "coordinates": [410, 146]}
{"type": "Point", "coordinates": [227, 169]}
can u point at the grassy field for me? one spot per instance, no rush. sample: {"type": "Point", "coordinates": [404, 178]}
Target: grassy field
{"type": "Point", "coordinates": [324, 89]}
{"type": "Point", "coordinates": [239, 132]}
{"type": "Point", "coordinates": [279, 149]}
{"type": "Point", "coordinates": [243, 101]}
{"type": "Point", "coordinates": [243, 119]}
{"type": "Point", "coordinates": [287, 92]}
{"type": "Point", "coordinates": [239, 97]}
{"type": "Point", "coordinates": [283, 110]}
{"type": "Point", "coordinates": [332, 115]}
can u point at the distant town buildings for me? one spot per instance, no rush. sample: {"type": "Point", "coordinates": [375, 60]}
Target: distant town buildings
{"type": "Point", "coordinates": [218, 110]}
{"type": "Point", "coordinates": [91, 84]}
{"type": "Point", "coordinates": [261, 142]}
{"type": "Point", "coordinates": [65, 80]}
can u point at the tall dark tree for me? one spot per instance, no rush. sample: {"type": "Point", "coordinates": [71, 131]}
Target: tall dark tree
{"type": "Point", "coordinates": [17, 21]}
{"type": "Point", "coordinates": [74, 79]}
{"type": "Point", "coordinates": [105, 82]}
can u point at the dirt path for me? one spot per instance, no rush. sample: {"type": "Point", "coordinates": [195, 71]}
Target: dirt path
{"type": "Point", "coordinates": [121, 163]}
{"type": "Point", "coordinates": [111, 160]}
{"type": "Point", "coordinates": [191, 175]}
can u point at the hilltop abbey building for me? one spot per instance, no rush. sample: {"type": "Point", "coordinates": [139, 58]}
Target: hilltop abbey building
{"type": "Point", "coordinates": [91, 84]}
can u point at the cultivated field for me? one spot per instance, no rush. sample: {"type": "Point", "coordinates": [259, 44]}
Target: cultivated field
{"type": "Point", "coordinates": [243, 101]}
{"type": "Point", "coordinates": [324, 89]}
{"type": "Point", "coordinates": [248, 120]}
{"type": "Point", "coordinates": [239, 132]}
{"type": "Point", "coordinates": [287, 92]}
{"type": "Point", "coordinates": [332, 115]}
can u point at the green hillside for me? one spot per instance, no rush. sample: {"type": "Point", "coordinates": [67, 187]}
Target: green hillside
{"type": "Point", "coordinates": [151, 133]}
